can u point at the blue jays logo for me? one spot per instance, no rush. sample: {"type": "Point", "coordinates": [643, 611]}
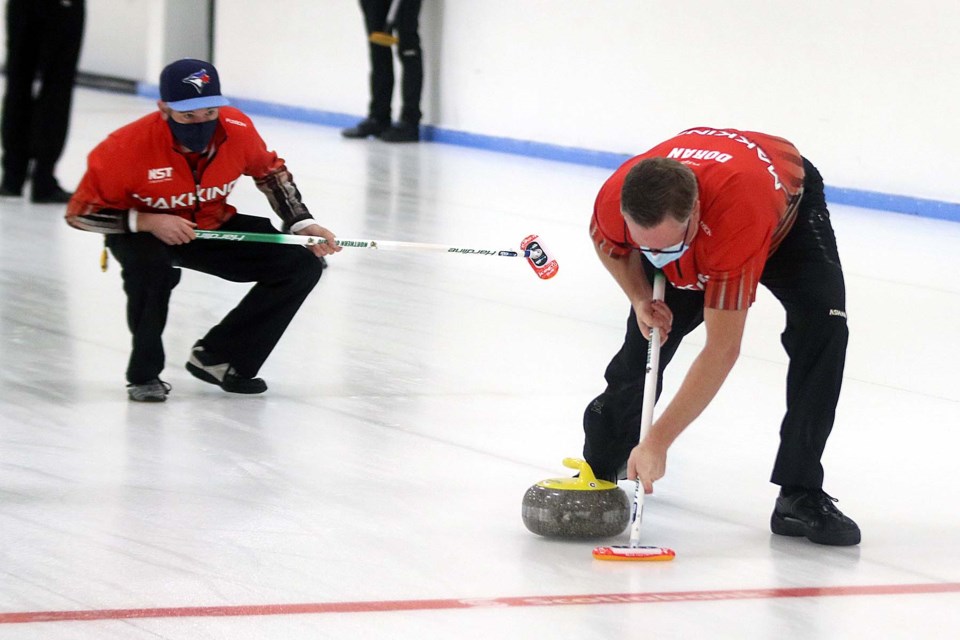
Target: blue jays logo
{"type": "Point", "coordinates": [198, 80]}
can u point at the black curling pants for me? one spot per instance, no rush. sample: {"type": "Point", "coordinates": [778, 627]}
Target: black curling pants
{"type": "Point", "coordinates": [804, 274]}
{"type": "Point", "coordinates": [284, 276]}
{"type": "Point", "coordinates": [43, 42]}
{"type": "Point", "coordinates": [381, 60]}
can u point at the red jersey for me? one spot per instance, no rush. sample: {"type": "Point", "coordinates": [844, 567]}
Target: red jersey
{"type": "Point", "coordinates": [749, 187]}
{"type": "Point", "coordinates": [139, 167]}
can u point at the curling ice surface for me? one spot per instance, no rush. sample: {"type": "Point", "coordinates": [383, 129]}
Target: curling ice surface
{"type": "Point", "coordinates": [415, 398]}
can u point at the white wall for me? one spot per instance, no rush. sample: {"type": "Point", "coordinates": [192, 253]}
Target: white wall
{"type": "Point", "coordinates": [116, 39]}
{"type": "Point", "coordinates": [865, 88]}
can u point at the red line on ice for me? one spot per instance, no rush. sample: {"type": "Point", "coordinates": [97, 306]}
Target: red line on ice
{"type": "Point", "coordinates": [473, 603]}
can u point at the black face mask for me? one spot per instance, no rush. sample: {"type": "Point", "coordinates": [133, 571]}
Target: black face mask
{"type": "Point", "coordinates": [194, 136]}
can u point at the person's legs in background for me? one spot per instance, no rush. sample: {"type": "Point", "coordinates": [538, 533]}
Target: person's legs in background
{"type": "Point", "coordinates": [411, 83]}
{"type": "Point", "coordinates": [43, 41]}
{"type": "Point", "coordinates": [59, 54]}
{"type": "Point", "coordinates": [23, 52]}
{"type": "Point", "coordinates": [381, 74]}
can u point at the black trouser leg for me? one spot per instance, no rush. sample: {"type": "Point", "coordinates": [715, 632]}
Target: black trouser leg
{"type": "Point", "coordinates": [284, 275]}
{"type": "Point", "coordinates": [806, 277]}
{"type": "Point", "coordinates": [62, 37]}
{"type": "Point", "coordinates": [411, 60]}
{"type": "Point", "coordinates": [43, 40]}
{"type": "Point", "coordinates": [148, 278]}
{"type": "Point", "coordinates": [611, 422]}
{"type": "Point", "coordinates": [23, 52]}
{"type": "Point", "coordinates": [381, 61]}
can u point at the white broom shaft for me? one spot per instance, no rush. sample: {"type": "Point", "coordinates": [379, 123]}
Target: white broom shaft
{"type": "Point", "coordinates": [392, 15]}
{"type": "Point", "coordinates": [649, 400]}
{"type": "Point", "coordinates": [653, 362]}
{"type": "Point", "coordinates": [383, 245]}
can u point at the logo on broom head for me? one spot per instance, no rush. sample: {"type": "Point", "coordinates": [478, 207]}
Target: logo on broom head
{"type": "Point", "coordinates": [198, 80]}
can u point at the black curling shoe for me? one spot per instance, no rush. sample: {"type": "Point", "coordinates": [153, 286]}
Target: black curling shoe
{"type": "Point", "coordinates": [365, 128]}
{"type": "Point", "coordinates": [812, 514]}
{"type": "Point", "coordinates": [56, 195]}
{"type": "Point", "coordinates": [209, 368]}
{"type": "Point", "coordinates": [403, 132]}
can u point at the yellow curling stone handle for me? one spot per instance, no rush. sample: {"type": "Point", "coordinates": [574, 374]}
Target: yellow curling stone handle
{"type": "Point", "coordinates": [586, 481]}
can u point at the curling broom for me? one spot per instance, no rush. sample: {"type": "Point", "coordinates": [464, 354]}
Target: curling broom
{"type": "Point", "coordinates": [634, 551]}
{"type": "Point", "coordinates": [531, 247]}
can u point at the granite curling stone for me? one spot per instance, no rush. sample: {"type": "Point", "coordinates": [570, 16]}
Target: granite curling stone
{"type": "Point", "coordinates": [581, 507]}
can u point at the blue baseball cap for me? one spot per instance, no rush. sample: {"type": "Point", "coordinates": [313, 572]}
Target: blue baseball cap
{"type": "Point", "coordinates": [190, 84]}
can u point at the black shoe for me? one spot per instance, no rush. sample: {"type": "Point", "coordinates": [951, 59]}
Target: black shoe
{"type": "Point", "coordinates": [54, 196]}
{"type": "Point", "coordinates": [207, 367]}
{"type": "Point", "coordinates": [364, 128]}
{"type": "Point", "coordinates": [403, 132]}
{"type": "Point", "coordinates": [812, 514]}
{"type": "Point", "coordinates": [10, 192]}
{"type": "Point", "coordinates": [155, 390]}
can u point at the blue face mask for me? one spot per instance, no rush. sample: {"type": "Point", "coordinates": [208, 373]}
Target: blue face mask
{"type": "Point", "coordinates": [195, 135]}
{"type": "Point", "coordinates": [668, 255]}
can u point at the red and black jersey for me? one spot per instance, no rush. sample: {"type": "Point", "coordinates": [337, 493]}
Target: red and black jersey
{"type": "Point", "coordinates": [140, 167]}
{"type": "Point", "coordinates": [749, 187]}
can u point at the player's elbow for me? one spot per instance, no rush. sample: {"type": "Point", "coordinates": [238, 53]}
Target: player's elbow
{"type": "Point", "coordinates": [723, 354]}
{"type": "Point", "coordinates": [729, 355]}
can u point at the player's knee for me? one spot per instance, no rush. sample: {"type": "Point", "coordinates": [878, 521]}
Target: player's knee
{"type": "Point", "coordinates": [827, 327]}
{"type": "Point", "coordinates": [309, 266]}
{"type": "Point", "coordinates": [833, 321]}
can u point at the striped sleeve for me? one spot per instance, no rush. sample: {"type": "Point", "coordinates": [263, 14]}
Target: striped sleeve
{"type": "Point", "coordinates": [99, 221]}
{"type": "Point", "coordinates": [282, 193]}
{"type": "Point", "coordinates": [733, 293]}
{"type": "Point", "coordinates": [608, 230]}
{"type": "Point", "coordinates": [99, 204]}
{"type": "Point", "coordinates": [606, 244]}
